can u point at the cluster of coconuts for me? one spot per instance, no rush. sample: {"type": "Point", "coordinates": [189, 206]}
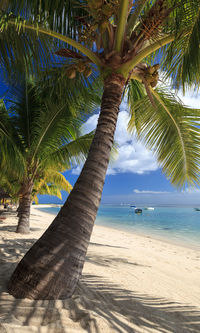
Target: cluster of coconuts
{"type": "Point", "coordinates": [80, 67]}
{"type": "Point", "coordinates": [103, 7]}
{"type": "Point", "coordinates": [158, 9]}
{"type": "Point", "coordinates": [101, 11]}
{"type": "Point", "coordinates": [88, 34]}
{"type": "Point", "coordinates": [151, 75]}
{"type": "Point", "coordinates": [155, 17]}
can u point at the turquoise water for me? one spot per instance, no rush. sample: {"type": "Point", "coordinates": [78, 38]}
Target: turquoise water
{"type": "Point", "coordinates": [177, 225]}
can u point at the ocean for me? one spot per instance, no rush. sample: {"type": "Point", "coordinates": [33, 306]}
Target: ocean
{"type": "Point", "coordinates": [179, 225]}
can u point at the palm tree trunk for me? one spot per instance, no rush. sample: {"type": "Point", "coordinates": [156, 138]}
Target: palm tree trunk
{"type": "Point", "coordinates": [18, 209]}
{"type": "Point", "coordinates": [52, 267]}
{"type": "Point", "coordinates": [23, 226]}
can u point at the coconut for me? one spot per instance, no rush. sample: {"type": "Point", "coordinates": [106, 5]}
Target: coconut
{"type": "Point", "coordinates": [149, 78]}
{"type": "Point", "coordinates": [156, 67]}
{"type": "Point", "coordinates": [71, 72]}
{"type": "Point", "coordinates": [80, 67]}
{"type": "Point", "coordinates": [150, 70]}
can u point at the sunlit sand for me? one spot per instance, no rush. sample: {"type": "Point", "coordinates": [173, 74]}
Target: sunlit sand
{"type": "Point", "coordinates": [130, 283]}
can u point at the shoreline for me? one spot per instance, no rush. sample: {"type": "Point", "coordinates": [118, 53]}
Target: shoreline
{"type": "Point", "coordinates": [155, 237]}
{"type": "Point", "coordinates": [148, 234]}
{"type": "Point", "coordinates": [129, 283]}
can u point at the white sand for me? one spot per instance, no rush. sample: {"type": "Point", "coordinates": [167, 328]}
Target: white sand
{"type": "Point", "coordinates": [130, 283]}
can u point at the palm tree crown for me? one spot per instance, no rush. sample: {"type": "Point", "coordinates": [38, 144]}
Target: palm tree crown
{"type": "Point", "coordinates": [40, 138]}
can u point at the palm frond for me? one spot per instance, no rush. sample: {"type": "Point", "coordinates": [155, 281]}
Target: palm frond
{"type": "Point", "coordinates": [24, 49]}
{"type": "Point", "coordinates": [35, 199]}
{"type": "Point", "coordinates": [11, 148]}
{"type": "Point", "coordinates": [56, 178]}
{"type": "Point", "coordinates": [70, 154]}
{"type": "Point", "coordinates": [60, 16]}
{"type": "Point", "coordinates": [9, 181]}
{"type": "Point", "coordinates": [182, 57]}
{"type": "Point", "coordinates": [32, 33]}
{"type": "Point", "coordinates": [51, 183]}
{"type": "Point", "coordinates": [171, 131]}
{"type": "Point", "coordinates": [52, 190]}
{"type": "Point", "coordinates": [135, 92]}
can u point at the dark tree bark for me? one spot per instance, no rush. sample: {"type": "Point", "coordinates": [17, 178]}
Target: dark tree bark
{"type": "Point", "coordinates": [18, 209]}
{"type": "Point", "coordinates": [23, 226]}
{"type": "Point", "coordinates": [52, 267]}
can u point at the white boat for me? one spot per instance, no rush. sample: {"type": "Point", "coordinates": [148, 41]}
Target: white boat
{"type": "Point", "coordinates": [149, 208]}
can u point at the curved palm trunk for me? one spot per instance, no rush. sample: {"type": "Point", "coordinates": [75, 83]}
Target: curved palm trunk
{"type": "Point", "coordinates": [23, 226]}
{"type": "Point", "coordinates": [52, 267]}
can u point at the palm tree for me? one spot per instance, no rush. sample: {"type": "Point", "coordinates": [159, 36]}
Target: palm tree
{"type": "Point", "coordinates": [40, 138]}
{"type": "Point", "coordinates": [119, 40]}
{"type": "Point", "coordinates": [48, 181]}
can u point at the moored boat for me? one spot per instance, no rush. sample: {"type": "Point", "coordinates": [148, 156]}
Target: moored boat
{"type": "Point", "coordinates": [138, 211]}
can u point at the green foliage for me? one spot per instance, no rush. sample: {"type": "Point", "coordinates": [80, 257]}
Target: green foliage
{"type": "Point", "coordinates": [10, 143]}
{"type": "Point", "coordinates": [51, 182]}
{"type": "Point", "coordinates": [95, 25]}
{"type": "Point", "coordinates": [171, 131]}
{"type": "Point", "coordinates": [182, 57]}
{"type": "Point", "coordinates": [9, 181]}
{"type": "Point", "coordinates": [40, 135]}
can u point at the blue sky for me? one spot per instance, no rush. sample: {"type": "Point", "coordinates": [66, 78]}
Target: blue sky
{"type": "Point", "coordinates": [135, 177]}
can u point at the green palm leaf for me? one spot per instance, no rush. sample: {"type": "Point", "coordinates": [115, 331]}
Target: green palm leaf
{"type": "Point", "coordinates": [51, 183]}
{"type": "Point", "coordinates": [58, 179]}
{"type": "Point", "coordinates": [182, 57]}
{"type": "Point", "coordinates": [71, 153]}
{"type": "Point", "coordinates": [60, 16]}
{"type": "Point", "coordinates": [10, 143]}
{"type": "Point", "coordinates": [171, 131]}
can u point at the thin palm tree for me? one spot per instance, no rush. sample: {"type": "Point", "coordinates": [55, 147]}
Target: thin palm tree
{"type": "Point", "coordinates": [40, 138]}
{"type": "Point", "coordinates": [119, 40]}
{"type": "Point", "coordinates": [47, 181]}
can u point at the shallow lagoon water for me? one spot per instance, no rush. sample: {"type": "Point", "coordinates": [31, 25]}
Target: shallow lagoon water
{"type": "Point", "coordinates": [180, 225]}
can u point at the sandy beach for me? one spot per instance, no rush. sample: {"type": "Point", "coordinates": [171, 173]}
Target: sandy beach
{"type": "Point", "coordinates": [130, 283]}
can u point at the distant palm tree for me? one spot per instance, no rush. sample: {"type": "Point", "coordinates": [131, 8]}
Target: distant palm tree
{"type": "Point", "coordinates": [49, 182]}
{"type": "Point", "coordinates": [119, 40]}
{"type": "Point", "coordinates": [39, 138]}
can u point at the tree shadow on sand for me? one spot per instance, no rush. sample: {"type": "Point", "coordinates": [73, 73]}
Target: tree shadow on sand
{"type": "Point", "coordinates": [97, 305]}
{"type": "Point", "coordinates": [126, 311]}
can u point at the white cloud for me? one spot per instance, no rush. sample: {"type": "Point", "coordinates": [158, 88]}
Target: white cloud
{"type": "Point", "coordinates": [76, 170]}
{"type": "Point", "coordinates": [190, 99]}
{"type": "Point", "coordinates": [90, 124]}
{"type": "Point", "coordinates": [150, 192]}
